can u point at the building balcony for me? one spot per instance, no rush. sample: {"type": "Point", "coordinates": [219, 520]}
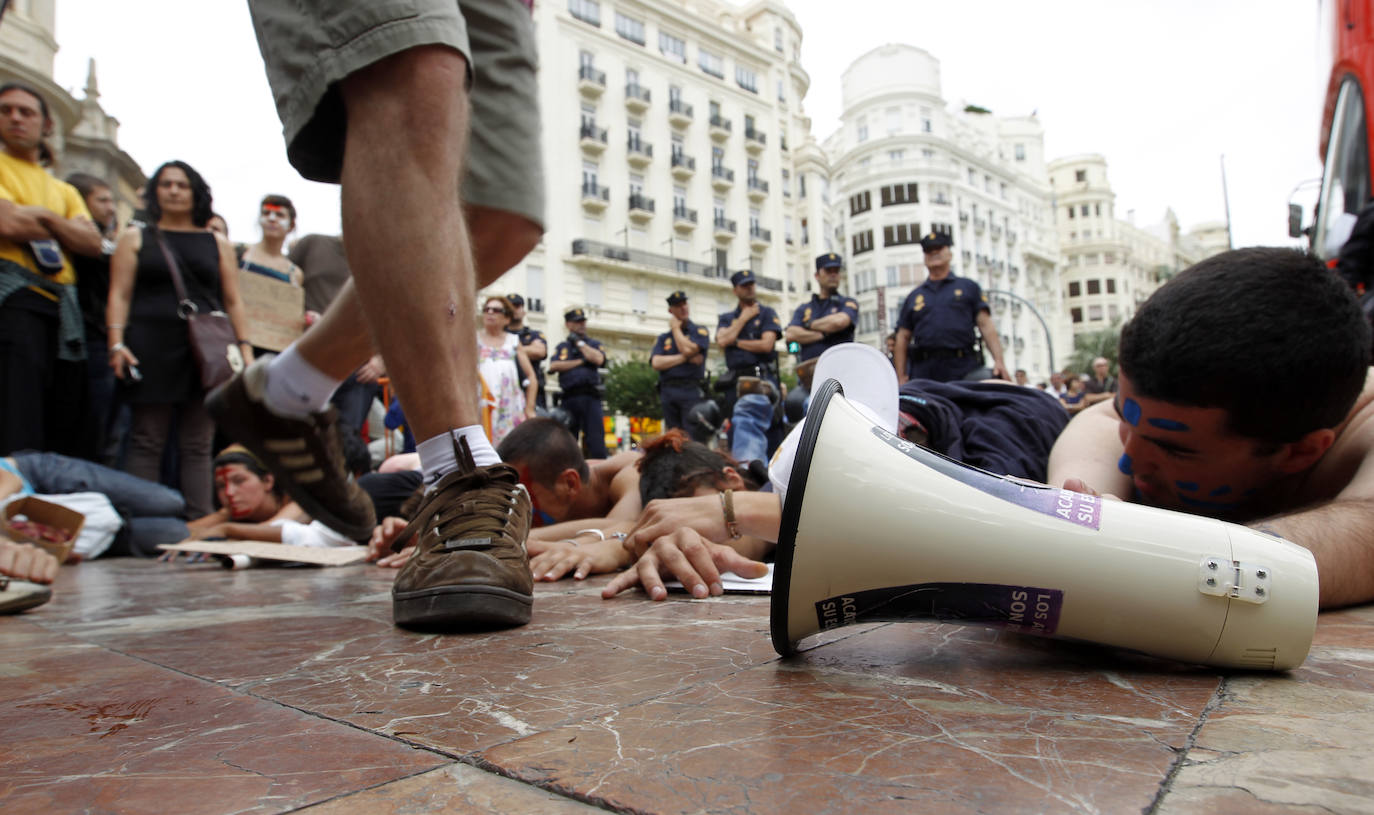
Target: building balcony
{"type": "Point", "coordinates": [967, 257]}
{"type": "Point", "coordinates": [760, 238]}
{"type": "Point", "coordinates": [679, 113]}
{"type": "Point", "coordinates": [722, 179]}
{"type": "Point", "coordinates": [636, 98]}
{"type": "Point", "coordinates": [670, 269]}
{"type": "Point", "coordinates": [684, 166]}
{"type": "Point", "coordinates": [638, 151]}
{"type": "Point", "coordinates": [725, 229]}
{"type": "Point", "coordinates": [963, 219]}
{"type": "Point", "coordinates": [754, 141]}
{"type": "Point", "coordinates": [593, 139]}
{"type": "Point", "coordinates": [996, 232]}
{"type": "Point", "coordinates": [980, 225]}
{"type": "Point", "coordinates": [641, 207]}
{"type": "Point", "coordinates": [1011, 237]}
{"type": "Point", "coordinates": [720, 128]}
{"type": "Point", "coordinates": [684, 219]}
{"type": "Point", "coordinates": [595, 197]}
{"type": "Point", "coordinates": [591, 83]}
{"type": "Point", "coordinates": [758, 189]}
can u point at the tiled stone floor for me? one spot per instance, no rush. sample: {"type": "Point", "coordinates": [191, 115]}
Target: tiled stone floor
{"type": "Point", "coordinates": [148, 687]}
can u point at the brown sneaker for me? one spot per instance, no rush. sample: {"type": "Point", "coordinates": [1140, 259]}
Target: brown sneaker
{"type": "Point", "coordinates": [20, 595]}
{"type": "Point", "coordinates": [469, 569]}
{"type": "Point", "coordinates": [305, 455]}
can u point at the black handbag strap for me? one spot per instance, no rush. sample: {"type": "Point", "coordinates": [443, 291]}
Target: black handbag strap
{"type": "Point", "coordinates": [186, 307]}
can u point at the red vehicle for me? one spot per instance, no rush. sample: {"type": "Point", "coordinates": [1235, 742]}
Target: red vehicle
{"type": "Point", "coordinates": [1345, 136]}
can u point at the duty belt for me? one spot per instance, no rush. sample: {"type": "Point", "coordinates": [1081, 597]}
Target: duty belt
{"type": "Point", "coordinates": [923, 354]}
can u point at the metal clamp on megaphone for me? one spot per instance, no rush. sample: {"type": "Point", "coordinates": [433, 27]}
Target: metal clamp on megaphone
{"type": "Point", "coordinates": [877, 529]}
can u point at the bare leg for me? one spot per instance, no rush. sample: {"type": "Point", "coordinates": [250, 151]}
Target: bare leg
{"type": "Point", "coordinates": [406, 236]}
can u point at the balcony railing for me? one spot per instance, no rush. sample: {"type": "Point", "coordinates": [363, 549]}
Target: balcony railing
{"type": "Point", "coordinates": [684, 214]}
{"type": "Point", "coordinates": [587, 73]}
{"type": "Point", "coordinates": [677, 107]}
{"type": "Point", "coordinates": [755, 136]}
{"type": "Point", "coordinates": [637, 93]}
{"type": "Point", "coordinates": [758, 233]}
{"type": "Point", "coordinates": [723, 174]}
{"type": "Point", "coordinates": [726, 225]}
{"type": "Point", "coordinates": [719, 122]}
{"type": "Point", "coordinates": [758, 184]}
{"type": "Point", "coordinates": [641, 202]}
{"type": "Point", "coordinates": [635, 144]}
{"type": "Point", "coordinates": [684, 160]}
{"type": "Point", "coordinates": [590, 248]}
{"type": "Point", "coordinates": [593, 190]}
{"type": "Point", "coordinates": [592, 133]}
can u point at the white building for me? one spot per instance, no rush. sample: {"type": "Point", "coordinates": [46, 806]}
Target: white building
{"type": "Point", "coordinates": [669, 129]}
{"type": "Point", "coordinates": [1111, 265]}
{"type": "Point", "coordinates": [904, 164]}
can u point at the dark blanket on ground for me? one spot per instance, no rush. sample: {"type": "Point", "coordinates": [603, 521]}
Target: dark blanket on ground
{"type": "Point", "coordinates": [1003, 428]}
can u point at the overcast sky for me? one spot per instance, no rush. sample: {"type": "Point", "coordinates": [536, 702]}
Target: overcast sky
{"type": "Point", "coordinates": [1161, 88]}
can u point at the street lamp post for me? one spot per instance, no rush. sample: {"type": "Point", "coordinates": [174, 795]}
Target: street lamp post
{"type": "Point", "coordinates": [1049, 339]}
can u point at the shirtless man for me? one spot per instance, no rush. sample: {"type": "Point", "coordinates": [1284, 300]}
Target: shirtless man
{"type": "Point", "coordinates": [576, 503]}
{"type": "Point", "coordinates": [1244, 393]}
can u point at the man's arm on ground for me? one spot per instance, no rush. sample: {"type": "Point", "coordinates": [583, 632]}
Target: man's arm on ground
{"type": "Point", "coordinates": [1089, 449]}
{"type": "Point", "coordinates": [1339, 533]}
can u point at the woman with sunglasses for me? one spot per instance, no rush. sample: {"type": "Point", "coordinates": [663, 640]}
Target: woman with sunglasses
{"type": "Point", "coordinates": [503, 367]}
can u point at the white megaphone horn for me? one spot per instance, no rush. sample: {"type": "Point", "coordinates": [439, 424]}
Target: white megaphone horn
{"type": "Point", "coordinates": [875, 528]}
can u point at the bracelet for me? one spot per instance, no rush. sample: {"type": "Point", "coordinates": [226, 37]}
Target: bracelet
{"type": "Point", "coordinates": [598, 532]}
{"type": "Point", "coordinates": [727, 508]}
{"type": "Point", "coordinates": [117, 347]}
{"type": "Point", "coordinates": [115, 325]}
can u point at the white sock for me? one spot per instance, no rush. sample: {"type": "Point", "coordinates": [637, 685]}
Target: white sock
{"type": "Point", "coordinates": [295, 388]}
{"type": "Point", "coordinates": [437, 454]}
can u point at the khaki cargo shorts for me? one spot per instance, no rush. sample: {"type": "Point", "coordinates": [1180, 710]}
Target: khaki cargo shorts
{"type": "Point", "coordinates": [309, 46]}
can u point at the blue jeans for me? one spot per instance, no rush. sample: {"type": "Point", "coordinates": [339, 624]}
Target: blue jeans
{"type": "Point", "coordinates": [752, 417]}
{"type": "Point", "coordinates": [153, 513]}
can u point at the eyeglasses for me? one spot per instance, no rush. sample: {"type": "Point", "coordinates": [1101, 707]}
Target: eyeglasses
{"type": "Point", "coordinates": [493, 310]}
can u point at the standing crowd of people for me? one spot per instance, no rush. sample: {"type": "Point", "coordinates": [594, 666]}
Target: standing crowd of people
{"type": "Point", "coordinates": [1211, 411]}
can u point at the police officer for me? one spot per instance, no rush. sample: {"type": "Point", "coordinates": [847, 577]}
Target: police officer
{"type": "Point", "coordinates": [532, 340]}
{"type": "Point", "coordinates": [749, 334]}
{"type": "Point", "coordinates": [826, 319]}
{"type": "Point", "coordinates": [679, 356]}
{"type": "Point", "coordinates": [935, 326]}
{"type": "Point", "coordinates": [575, 361]}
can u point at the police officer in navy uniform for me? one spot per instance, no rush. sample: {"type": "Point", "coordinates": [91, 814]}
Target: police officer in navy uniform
{"type": "Point", "coordinates": [679, 356]}
{"type": "Point", "coordinates": [749, 336]}
{"type": "Point", "coordinates": [826, 319]}
{"type": "Point", "coordinates": [935, 326]}
{"type": "Point", "coordinates": [532, 340]}
{"type": "Point", "coordinates": [575, 361]}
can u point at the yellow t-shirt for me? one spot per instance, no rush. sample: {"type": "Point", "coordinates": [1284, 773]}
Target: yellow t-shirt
{"type": "Point", "coordinates": [29, 184]}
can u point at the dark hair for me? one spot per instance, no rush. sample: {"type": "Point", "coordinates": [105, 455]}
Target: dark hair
{"type": "Point", "coordinates": [545, 448]}
{"type": "Point", "coordinates": [86, 183]}
{"type": "Point", "coordinates": [506, 305]}
{"type": "Point", "coordinates": [45, 154]}
{"type": "Point", "coordinates": [279, 201]}
{"type": "Point", "coordinates": [238, 454]}
{"type": "Point", "coordinates": [1267, 334]}
{"type": "Point", "coordinates": [674, 466]}
{"type": "Point", "coordinates": [201, 200]}
{"type": "Point", "coordinates": [357, 458]}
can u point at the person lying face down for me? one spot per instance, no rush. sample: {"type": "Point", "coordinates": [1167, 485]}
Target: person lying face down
{"type": "Point", "coordinates": [1244, 393]}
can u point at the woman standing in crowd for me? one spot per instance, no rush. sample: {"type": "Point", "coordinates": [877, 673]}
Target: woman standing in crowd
{"type": "Point", "coordinates": [1072, 398]}
{"type": "Point", "coordinates": [500, 354]}
{"type": "Point", "coordinates": [277, 218]}
{"type": "Point", "coordinates": [149, 349]}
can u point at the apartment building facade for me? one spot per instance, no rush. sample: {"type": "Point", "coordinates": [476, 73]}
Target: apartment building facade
{"type": "Point", "coordinates": [904, 164]}
{"type": "Point", "coordinates": [669, 134]}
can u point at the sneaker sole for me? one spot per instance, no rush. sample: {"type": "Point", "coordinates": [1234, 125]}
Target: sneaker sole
{"type": "Point", "coordinates": [22, 595]}
{"type": "Point", "coordinates": [461, 608]}
{"type": "Point", "coordinates": [217, 403]}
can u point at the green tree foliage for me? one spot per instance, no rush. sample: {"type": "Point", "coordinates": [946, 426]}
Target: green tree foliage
{"type": "Point", "coordinates": [632, 389]}
{"type": "Point", "coordinates": [1093, 344]}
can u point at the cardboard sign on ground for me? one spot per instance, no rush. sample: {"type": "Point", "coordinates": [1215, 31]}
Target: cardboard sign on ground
{"type": "Point", "coordinates": [275, 310]}
{"type": "Point", "coordinates": [334, 556]}
{"type": "Point", "coordinates": [65, 522]}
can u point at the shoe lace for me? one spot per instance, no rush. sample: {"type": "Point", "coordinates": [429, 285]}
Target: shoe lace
{"type": "Point", "coordinates": [479, 521]}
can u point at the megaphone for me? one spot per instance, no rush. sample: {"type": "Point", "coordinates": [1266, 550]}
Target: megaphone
{"type": "Point", "coordinates": [877, 529]}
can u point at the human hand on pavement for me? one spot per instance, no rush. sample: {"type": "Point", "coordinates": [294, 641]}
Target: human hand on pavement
{"type": "Point", "coordinates": [685, 555]}
{"type": "Point", "coordinates": [561, 558]}
{"type": "Point", "coordinates": [25, 561]}
{"type": "Point", "coordinates": [379, 545]}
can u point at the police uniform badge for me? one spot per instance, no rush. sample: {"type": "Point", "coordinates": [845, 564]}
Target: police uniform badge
{"type": "Point", "coordinates": [958, 292]}
{"type": "Point", "coordinates": [920, 303]}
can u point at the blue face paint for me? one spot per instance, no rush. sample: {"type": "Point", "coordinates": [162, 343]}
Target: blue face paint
{"type": "Point", "coordinates": [1186, 486]}
{"type": "Point", "coordinates": [1130, 411]}
{"type": "Point", "coordinates": [1169, 424]}
{"type": "Point", "coordinates": [1219, 491]}
{"type": "Point", "coordinates": [1124, 464]}
{"type": "Point", "coordinates": [1218, 506]}
{"type": "Point", "coordinates": [543, 518]}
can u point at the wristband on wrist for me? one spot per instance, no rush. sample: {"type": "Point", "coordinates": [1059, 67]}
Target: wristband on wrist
{"type": "Point", "coordinates": [119, 346]}
{"type": "Point", "coordinates": [597, 532]}
{"type": "Point", "coordinates": [727, 508]}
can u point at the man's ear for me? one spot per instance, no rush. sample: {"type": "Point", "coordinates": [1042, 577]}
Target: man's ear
{"type": "Point", "coordinates": [1297, 456]}
{"type": "Point", "coordinates": [568, 484]}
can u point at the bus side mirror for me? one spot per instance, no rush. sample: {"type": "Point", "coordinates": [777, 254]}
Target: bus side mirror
{"type": "Point", "coordinates": [1295, 221]}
